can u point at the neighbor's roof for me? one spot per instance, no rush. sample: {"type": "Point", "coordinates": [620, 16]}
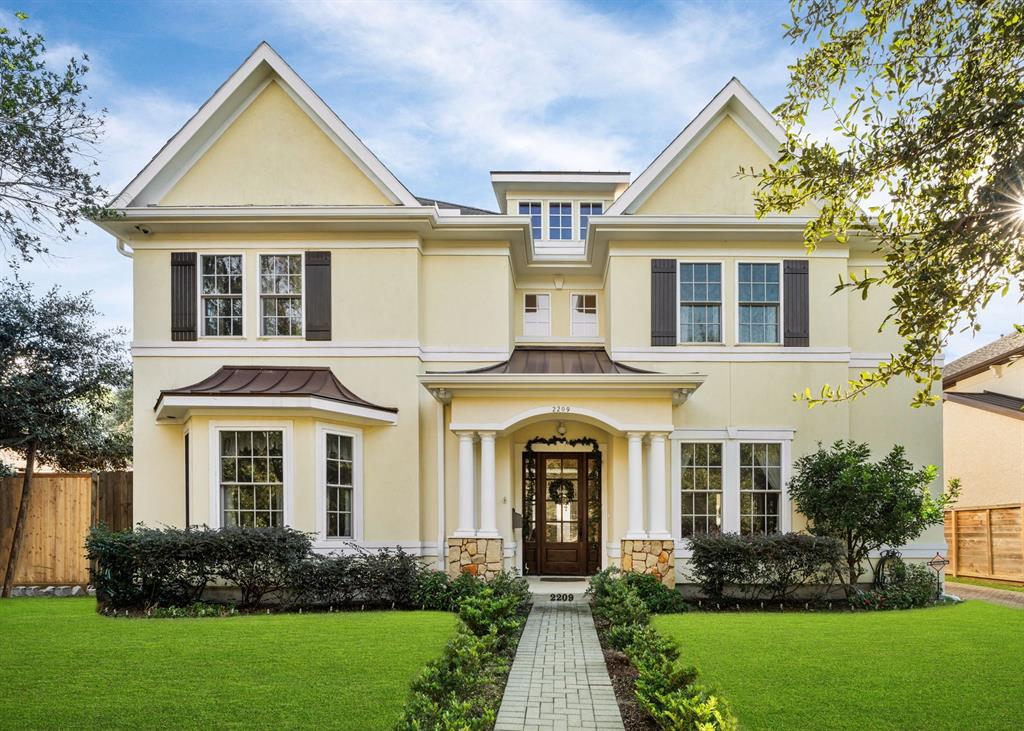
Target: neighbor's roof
{"type": "Point", "coordinates": [999, 403]}
{"type": "Point", "coordinates": [273, 381]}
{"type": "Point", "coordinates": [551, 360]}
{"type": "Point", "coordinates": [995, 353]}
{"type": "Point", "coordinates": [468, 210]}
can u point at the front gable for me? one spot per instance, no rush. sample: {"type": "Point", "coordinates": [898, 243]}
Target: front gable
{"type": "Point", "coordinates": [264, 138]}
{"type": "Point", "coordinates": [698, 173]}
{"type": "Point", "coordinates": [273, 153]}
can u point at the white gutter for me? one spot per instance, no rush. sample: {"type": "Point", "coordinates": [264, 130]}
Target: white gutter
{"type": "Point", "coordinates": [124, 250]}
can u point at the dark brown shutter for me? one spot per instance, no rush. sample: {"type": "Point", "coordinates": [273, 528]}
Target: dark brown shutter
{"type": "Point", "coordinates": [796, 318]}
{"type": "Point", "coordinates": [318, 295]}
{"type": "Point", "coordinates": [663, 302]}
{"type": "Point", "coordinates": [183, 295]}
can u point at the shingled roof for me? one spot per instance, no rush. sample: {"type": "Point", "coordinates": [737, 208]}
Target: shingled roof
{"type": "Point", "coordinates": [1000, 351]}
{"type": "Point", "coordinates": [239, 380]}
{"type": "Point", "coordinates": [552, 360]}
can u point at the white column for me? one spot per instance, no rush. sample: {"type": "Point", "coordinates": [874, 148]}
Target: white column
{"type": "Point", "coordinates": [635, 487]}
{"type": "Point", "coordinates": [657, 511]}
{"type": "Point", "coordinates": [467, 508]}
{"type": "Point", "coordinates": [488, 494]}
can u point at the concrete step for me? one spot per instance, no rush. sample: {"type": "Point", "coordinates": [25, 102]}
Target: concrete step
{"type": "Point", "coordinates": [557, 591]}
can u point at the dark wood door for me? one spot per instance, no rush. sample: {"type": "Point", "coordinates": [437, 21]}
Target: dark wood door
{"type": "Point", "coordinates": [562, 514]}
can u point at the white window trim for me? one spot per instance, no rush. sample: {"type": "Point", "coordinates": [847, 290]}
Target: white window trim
{"type": "Point", "coordinates": [721, 305]}
{"type": "Point", "coordinates": [216, 427]}
{"type": "Point", "coordinates": [543, 215]}
{"type": "Point", "coordinates": [597, 314]}
{"type": "Point", "coordinates": [259, 295]}
{"type": "Point", "coordinates": [578, 215]}
{"type": "Point", "coordinates": [730, 439]}
{"type": "Point", "coordinates": [574, 225]}
{"type": "Point", "coordinates": [322, 430]}
{"type": "Point", "coordinates": [189, 473]}
{"type": "Point", "coordinates": [736, 298]}
{"type": "Point", "coordinates": [537, 335]}
{"type": "Point", "coordinates": [199, 295]}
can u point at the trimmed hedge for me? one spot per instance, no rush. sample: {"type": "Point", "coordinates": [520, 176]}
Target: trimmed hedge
{"type": "Point", "coordinates": [162, 568]}
{"type": "Point", "coordinates": [666, 690]}
{"type": "Point", "coordinates": [772, 567]}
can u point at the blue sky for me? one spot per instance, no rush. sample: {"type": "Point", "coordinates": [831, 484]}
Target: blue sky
{"type": "Point", "coordinates": [442, 92]}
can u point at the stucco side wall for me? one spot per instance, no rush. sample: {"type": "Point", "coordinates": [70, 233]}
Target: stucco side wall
{"type": "Point", "coordinates": [985, 451]}
{"type": "Point", "coordinates": [273, 153]}
{"type": "Point", "coordinates": [465, 302]}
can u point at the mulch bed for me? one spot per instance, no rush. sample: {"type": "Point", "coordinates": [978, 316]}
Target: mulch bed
{"type": "Point", "coordinates": [623, 676]}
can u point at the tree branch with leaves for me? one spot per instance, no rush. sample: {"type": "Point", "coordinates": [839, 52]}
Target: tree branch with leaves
{"type": "Point", "coordinates": [927, 98]}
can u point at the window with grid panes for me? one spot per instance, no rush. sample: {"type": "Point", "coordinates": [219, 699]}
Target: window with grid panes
{"type": "Point", "coordinates": [281, 294]}
{"type": "Point", "coordinates": [220, 287]}
{"type": "Point", "coordinates": [583, 321]}
{"type": "Point", "coordinates": [340, 486]}
{"type": "Point", "coordinates": [252, 477]}
{"type": "Point", "coordinates": [559, 221]}
{"type": "Point", "coordinates": [760, 487]}
{"type": "Point", "coordinates": [700, 302]}
{"type": "Point", "coordinates": [758, 295]}
{"type": "Point", "coordinates": [701, 478]}
{"type": "Point", "coordinates": [536, 314]}
{"type": "Point", "coordinates": [532, 209]}
{"type": "Point", "coordinates": [586, 211]}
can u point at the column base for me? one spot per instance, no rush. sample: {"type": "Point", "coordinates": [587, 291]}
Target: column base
{"type": "Point", "coordinates": [650, 556]}
{"type": "Point", "coordinates": [477, 555]}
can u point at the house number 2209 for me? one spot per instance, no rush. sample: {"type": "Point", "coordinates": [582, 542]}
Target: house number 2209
{"type": "Point", "coordinates": [559, 409]}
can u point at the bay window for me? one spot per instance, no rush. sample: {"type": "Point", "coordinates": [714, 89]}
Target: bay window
{"type": "Point", "coordinates": [252, 477]}
{"type": "Point", "coordinates": [701, 470]}
{"type": "Point", "coordinates": [760, 488]}
{"type": "Point", "coordinates": [340, 485]}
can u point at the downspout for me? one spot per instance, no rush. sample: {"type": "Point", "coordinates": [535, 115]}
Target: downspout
{"type": "Point", "coordinates": [441, 541]}
{"type": "Point", "coordinates": [124, 250]}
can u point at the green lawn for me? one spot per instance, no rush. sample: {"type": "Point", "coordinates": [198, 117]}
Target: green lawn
{"type": "Point", "coordinates": [956, 667]}
{"type": "Point", "coordinates": [951, 580]}
{"type": "Point", "coordinates": [62, 665]}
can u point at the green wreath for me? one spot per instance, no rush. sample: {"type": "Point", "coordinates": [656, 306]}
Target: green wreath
{"type": "Point", "coordinates": [561, 491]}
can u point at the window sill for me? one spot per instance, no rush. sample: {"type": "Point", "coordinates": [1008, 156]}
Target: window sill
{"type": "Point", "coordinates": [281, 337]}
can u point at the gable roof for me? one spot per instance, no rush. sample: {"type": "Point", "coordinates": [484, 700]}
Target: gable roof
{"type": "Point", "coordinates": [734, 100]}
{"type": "Point", "coordinates": [998, 403]}
{"type": "Point", "coordinates": [189, 143]}
{"type": "Point", "coordinates": [995, 353]}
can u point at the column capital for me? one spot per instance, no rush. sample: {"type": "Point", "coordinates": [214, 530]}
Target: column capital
{"type": "Point", "coordinates": [465, 434]}
{"type": "Point", "coordinates": [487, 434]}
{"type": "Point", "coordinates": [659, 436]}
{"type": "Point", "coordinates": [632, 435]}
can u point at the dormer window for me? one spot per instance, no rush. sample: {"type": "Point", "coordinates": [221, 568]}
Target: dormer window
{"type": "Point", "coordinates": [586, 211]}
{"type": "Point", "coordinates": [532, 209]}
{"type": "Point", "coordinates": [560, 221]}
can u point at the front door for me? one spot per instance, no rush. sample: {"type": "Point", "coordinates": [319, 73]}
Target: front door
{"type": "Point", "coordinates": [562, 493]}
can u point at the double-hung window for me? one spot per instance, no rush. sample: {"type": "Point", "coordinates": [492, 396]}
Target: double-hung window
{"type": "Point", "coordinates": [583, 322]}
{"type": "Point", "coordinates": [281, 294]}
{"type": "Point", "coordinates": [586, 211]}
{"type": "Point", "coordinates": [537, 314]}
{"type": "Point", "coordinates": [252, 477]}
{"type": "Point", "coordinates": [701, 475]}
{"type": "Point", "coordinates": [340, 485]}
{"type": "Point", "coordinates": [532, 209]}
{"type": "Point", "coordinates": [759, 296]}
{"type": "Point", "coordinates": [221, 283]}
{"type": "Point", "coordinates": [760, 487]}
{"type": "Point", "coordinates": [700, 302]}
{"type": "Point", "coordinates": [560, 221]}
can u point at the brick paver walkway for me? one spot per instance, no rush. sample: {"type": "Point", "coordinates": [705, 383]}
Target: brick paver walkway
{"type": "Point", "coordinates": [1006, 598]}
{"type": "Point", "coordinates": [558, 678]}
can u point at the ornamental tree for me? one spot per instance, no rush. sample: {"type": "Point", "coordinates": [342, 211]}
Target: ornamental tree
{"type": "Point", "coordinates": [928, 104]}
{"type": "Point", "coordinates": [61, 390]}
{"type": "Point", "coordinates": [48, 174]}
{"type": "Point", "coordinates": [866, 505]}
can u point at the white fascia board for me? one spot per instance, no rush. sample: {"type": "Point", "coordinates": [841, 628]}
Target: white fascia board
{"type": "Point", "coordinates": [212, 118]}
{"type": "Point", "coordinates": [173, 408]}
{"type": "Point", "coordinates": [567, 177]}
{"type": "Point", "coordinates": [733, 98]}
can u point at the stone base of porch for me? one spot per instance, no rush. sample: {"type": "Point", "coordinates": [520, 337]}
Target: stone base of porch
{"type": "Point", "coordinates": [478, 556]}
{"type": "Point", "coordinates": [654, 557]}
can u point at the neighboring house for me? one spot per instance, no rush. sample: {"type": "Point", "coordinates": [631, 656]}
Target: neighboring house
{"type": "Point", "coordinates": [601, 368]}
{"type": "Point", "coordinates": [984, 423]}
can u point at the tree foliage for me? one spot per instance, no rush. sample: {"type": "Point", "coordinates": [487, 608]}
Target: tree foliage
{"type": "Point", "coordinates": [62, 381]}
{"type": "Point", "coordinates": [48, 174]}
{"type": "Point", "coordinates": [928, 100]}
{"type": "Point", "coordinates": [866, 505]}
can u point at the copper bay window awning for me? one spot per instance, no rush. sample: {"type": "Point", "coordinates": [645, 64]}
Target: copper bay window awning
{"type": "Point", "coordinates": [308, 388]}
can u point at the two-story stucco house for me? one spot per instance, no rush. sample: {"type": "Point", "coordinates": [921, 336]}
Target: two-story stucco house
{"type": "Point", "coordinates": [584, 378]}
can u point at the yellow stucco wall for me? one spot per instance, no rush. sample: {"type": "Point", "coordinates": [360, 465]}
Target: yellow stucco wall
{"type": "Point", "coordinates": [274, 154]}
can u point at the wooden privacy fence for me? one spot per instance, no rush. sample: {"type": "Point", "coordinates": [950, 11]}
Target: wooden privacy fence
{"type": "Point", "coordinates": [986, 542]}
{"type": "Point", "coordinates": [60, 511]}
